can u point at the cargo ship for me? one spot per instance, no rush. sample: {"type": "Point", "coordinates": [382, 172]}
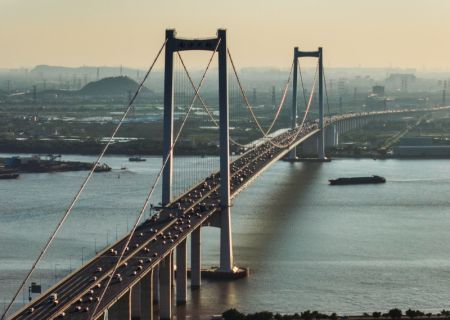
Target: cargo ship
{"type": "Point", "coordinates": [357, 180]}
{"type": "Point", "coordinates": [136, 159]}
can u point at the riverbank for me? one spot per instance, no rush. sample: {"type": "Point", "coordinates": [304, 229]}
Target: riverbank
{"type": "Point", "coordinates": [393, 314]}
{"type": "Point", "coordinates": [94, 147]}
{"type": "Point", "coordinates": [35, 164]}
{"type": "Point", "coordinates": [380, 156]}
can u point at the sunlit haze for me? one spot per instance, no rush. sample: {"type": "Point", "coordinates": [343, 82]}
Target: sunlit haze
{"type": "Point", "coordinates": [383, 33]}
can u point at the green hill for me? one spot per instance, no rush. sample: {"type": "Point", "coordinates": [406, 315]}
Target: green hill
{"type": "Point", "coordinates": [114, 86]}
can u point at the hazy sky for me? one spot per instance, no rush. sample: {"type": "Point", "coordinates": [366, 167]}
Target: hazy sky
{"type": "Point", "coordinates": [368, 33]}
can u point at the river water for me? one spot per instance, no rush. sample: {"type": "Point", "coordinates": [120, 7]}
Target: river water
{"type": "Point", "coordinates": [344, 249]}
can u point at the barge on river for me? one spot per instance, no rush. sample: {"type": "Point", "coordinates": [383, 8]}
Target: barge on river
{"type": "Point", "coordinates": [357, 180]}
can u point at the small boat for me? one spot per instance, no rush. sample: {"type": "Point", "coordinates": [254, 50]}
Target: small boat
{"type": "Point", "coordinates": [357, 180]}
{"type": "Point", "coordinates": [102, 168]}
{"type": "Point", "coordinates": [5, 176]}
{"type": "Point", "coordinates": [136, 159]}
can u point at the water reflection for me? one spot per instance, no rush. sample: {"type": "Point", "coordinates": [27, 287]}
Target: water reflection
{"type": "Point", "coordinates": [308, 245]}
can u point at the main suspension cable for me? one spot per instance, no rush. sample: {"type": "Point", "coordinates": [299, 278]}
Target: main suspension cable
{"type": "Point", "coordinates": [153, 187]}
{"type": "Point", "coordinates": [83, 185]}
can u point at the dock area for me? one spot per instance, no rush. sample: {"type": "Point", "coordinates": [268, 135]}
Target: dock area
{"type": "Point", "coordinates": [52, 163]}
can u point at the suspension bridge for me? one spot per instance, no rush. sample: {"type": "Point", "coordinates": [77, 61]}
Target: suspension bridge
{"type": "Point", "coordinates": [136, 275]}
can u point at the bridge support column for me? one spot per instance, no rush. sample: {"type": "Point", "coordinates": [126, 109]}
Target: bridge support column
{"type": "Point", "coordinates": [226, 244]}
{"type": "Point", "coordinates": [121, 310]}
{"type": "Point", "coordinates": [181, 274]}
{"type": "Point", "coordinates": [331, 136]}
{"type": "Point", "coordinates": [156, 284]}
{"type": "Point", "coordinates": [165, 288]}
{"type": "Point", "coordinates": [321, 126]}
{"type": "Point", "coordinates": [141, 299]}
{"type": "Point", "coordinates": [310, 147]}
{"type": "Point", "coordinates": [293, 152]}
{"type": "Point", "coordinates": [196, 276]}
{"type": "Point", "coordinates": [136, 301]}
{"type": "Point", "coordinates": [168, 119]}
{"type": "Point", "coordinates": [146, 299]}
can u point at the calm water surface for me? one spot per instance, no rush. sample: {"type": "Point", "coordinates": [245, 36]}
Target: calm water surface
{"type": "Point", "coordinates": [345, 249]}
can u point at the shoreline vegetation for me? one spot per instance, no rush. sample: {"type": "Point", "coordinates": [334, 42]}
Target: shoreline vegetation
{"type": "Point", "coordinates": [148, 147]}
{"type": "Point", "coordinates": [393, 314]}
{"type": "Point", "coordinates": [94, 147]}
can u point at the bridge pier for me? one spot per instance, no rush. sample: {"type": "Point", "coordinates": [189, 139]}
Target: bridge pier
{"type": "Point", "coordinates": [146, 297]}
{"type": "Point", "coordinates": [165, 288]}
{"type": "Point", "coordinates": [135, 296]}
{"type": "Point", "coordinates": [342, 126]}
{"type": "Point", "coordinates": [331, 136]}
{"type": "Point", "coordinates": [181, 274]}
{"type": "Point", "coordinates": [121, 310]}
{"type": "Point", "coordinates": [310, 148]}
{"type": "Point", "coordinates": [155, 290]}
{"type": "Point", "coordinates": [226, 247]}
{"type": "Point", "coordinates": [196, 276]}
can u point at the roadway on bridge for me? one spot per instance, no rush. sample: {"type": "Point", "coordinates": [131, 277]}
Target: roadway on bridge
{"type": "Point", "coordinates": [153, 239]}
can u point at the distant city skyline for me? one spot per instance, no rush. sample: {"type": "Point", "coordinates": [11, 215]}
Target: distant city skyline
{"type": "Point", "coordinates": [381, 34]}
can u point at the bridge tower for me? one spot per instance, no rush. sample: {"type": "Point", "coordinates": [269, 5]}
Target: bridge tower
{"type": "Point", "coordinates": [321, 137]}
{"type": "Point", "coordinates": [173, 45]}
